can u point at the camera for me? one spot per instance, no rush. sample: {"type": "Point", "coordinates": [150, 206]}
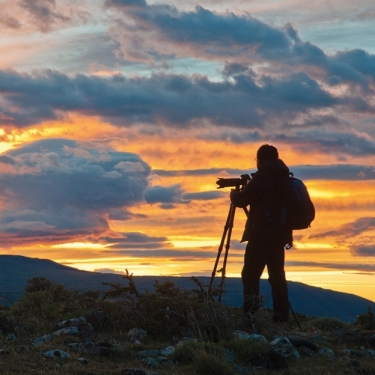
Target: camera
{"type": "Point", "coordinates": [233, 182]}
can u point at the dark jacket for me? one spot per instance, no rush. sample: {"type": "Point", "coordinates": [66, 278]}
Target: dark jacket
{"type": "Point", "coordinates": [262, 193]}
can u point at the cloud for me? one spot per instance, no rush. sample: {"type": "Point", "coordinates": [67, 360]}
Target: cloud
{"type": "Point", "coordinates": [9, 21]}
{"type": "Point", "coordinates": [335, 266]}
{"type": "Point", "coordinates": [363, 250]}
{"type": "Point", "coordinates": [347, 172]}
{"type": "Point", "coordinates": [124, 3]}
{"type": "Point", "coordinates": [57, 188]}
{"type": "Point", "coordinates": [203, 195]}
{"type": "Point", "coordinates": [134, 240]}
{"type": "Point", "coordinates": [43, 14]}
{"type": "Point", "coordinates": [160, 194]}
{"type": "Point", "coordinates": [351, 229]}
{"type": "Point", "coordinates": [162, 31]}
{"type": "Point", "coordinates": [171, 100]}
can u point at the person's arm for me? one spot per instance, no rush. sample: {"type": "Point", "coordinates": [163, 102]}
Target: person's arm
{"type": "Point", "coordinates": [242, 198]}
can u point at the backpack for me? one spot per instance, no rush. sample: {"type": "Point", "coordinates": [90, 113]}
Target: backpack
{"type": "Point", "coordinates": [296, 208]}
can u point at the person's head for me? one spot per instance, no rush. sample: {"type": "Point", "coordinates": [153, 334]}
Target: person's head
{"type": "Point", "coordinates": [266, 152]}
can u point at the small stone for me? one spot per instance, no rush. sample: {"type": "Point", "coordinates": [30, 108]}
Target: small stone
{"type": "Point", "coordinates": [137, 334]}
{"type": "Point", "coordinates": [11, 336]}
{"type": "Point", "coordinates": [66, 331]}
{"type": "Point", "coordinates": [350, 353]}
{"type": "Point", "coordinates": [83, 361]}
{"type": "Point", "coordinates": [326, 352]}
{"type": "Point", "coordinates": [152, 362]}
{"type": "Point", "coordinates": [56, 353]}
{"type": "Point", "coordinates": [283, 346]}
{"type": "Point", "coordinates": [169, 350]}
{"type": "Point", "coordinates": [369, 353]}
{"type": "Point", "coordinates": [41, 340]}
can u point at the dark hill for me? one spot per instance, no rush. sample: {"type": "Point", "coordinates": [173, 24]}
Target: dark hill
{"type": "Point", "coordinates": [305, 299]}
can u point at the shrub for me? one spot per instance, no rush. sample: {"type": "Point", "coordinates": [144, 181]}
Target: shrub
{"type": "Point", "coordinates": [188, 352]}
{"type": "Point", "coordinates": [366, 320]}
{"type": "Point", "coordinates": [210, 364]}
{"type": "Point", "coordinates": [245, 348]}
{"type": "Point", "coordinates": [327, 324]}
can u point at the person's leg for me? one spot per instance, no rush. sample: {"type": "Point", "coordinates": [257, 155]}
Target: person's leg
{"type": "Point", "coordinates": [277, 279]}
{"type": "Point", "coordinates": [252, 271]}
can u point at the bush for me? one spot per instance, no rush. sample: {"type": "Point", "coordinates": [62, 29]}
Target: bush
{"type": "Point", "coordinates": [327, 324]}
{"type": "Point", "coordinates": [188, 352]}
{"type": "Point", "coordinates": [245, 348]}
{"type": "Point", "coordinates": [366, 320]}
{"type": "Point", "coordinates": [210, 364]}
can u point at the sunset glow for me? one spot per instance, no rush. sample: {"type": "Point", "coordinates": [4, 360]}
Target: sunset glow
{"type": "Point", "coordinates": [118, 117]}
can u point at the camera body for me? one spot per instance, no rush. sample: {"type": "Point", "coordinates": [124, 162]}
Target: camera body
{"type": "Point", "coordinates": [233, 182]}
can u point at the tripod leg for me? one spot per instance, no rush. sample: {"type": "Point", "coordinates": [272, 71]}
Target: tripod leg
{"type": "Point", "coordinates": [221, 246]}
{"type": "Point", "coordinates": [232, 212]}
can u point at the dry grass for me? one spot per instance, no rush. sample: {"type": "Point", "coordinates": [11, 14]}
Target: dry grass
{"type": "Point", "coordinates": [167, 315]}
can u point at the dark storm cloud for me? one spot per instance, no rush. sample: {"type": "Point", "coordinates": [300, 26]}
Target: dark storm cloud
{"type": "Point", "coordinates": [58, 187]}
{"type": "Point", "coordinates": [335, 266]}
{"type": "Point", "coordinates": [161, 194]}
{"type": "Point", "coordinates": [42, 13]}
{"type": "Point", "coordinates": [363, 250]}
{"type": "Point", "coordinates": [28, 99]}
{"type": "Point", "coordinates": [351, 229]}
{"type": "Point", "coordinates": [134, 240]}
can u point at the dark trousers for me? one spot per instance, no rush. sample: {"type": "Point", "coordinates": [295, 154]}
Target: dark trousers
{"type": "Point", "coordinates": [260, 253]}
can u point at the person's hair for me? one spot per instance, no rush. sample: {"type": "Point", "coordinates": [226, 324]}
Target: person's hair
{"type": "Point", "coordinates": [266, 152]}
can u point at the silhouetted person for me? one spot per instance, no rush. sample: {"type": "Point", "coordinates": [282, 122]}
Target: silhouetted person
{"type": "Point", "coordinates": [265, 234]}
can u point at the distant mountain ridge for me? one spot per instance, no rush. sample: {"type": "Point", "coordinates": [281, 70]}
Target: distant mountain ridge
{"type": "Point", "coordinates": [305, 299]}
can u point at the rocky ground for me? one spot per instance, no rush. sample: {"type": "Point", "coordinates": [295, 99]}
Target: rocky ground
{"type": "Point", "coordinates": [170, 332]}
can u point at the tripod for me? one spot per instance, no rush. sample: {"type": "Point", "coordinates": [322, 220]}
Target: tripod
{"type": "Point", "coordinates": [225, 239]}
{"type": "Point", "coordinates": [227, 233]}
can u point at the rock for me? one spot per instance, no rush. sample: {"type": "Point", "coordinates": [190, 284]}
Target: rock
{"type": "Point", "coordinates": [369, 353]}
{"type": "Point", "coordinates": [241, 369]}
{"type": "Point", "coordinates": [326, 352]}
{"type": "Point", "coordinates": [11, 336]}
{"type": "Point", "coordinates": [135, 371]}
{"type": "Point", "coordinates": [350, 353]}
{"type": "Point", "coordinates": [354, 363]}
{"type": "Point", "coordinates": [152, 362]}
{"type": "Point", "coordinates": [73, 327]}
{"type": "Point", "coordinates": [283, 346]}
{"type": "Point", "coordinates": [42, 340]}
{"type": "Point", "coordinates": [241, 335]}
{"type": "Point", "coordinates": [2, 351]}
{"type": "Point", "coordinates": [169, 350]}
{"type": "Point", "coordinates": [81, 347]}
{"type": "Point", "coordinates": [56, 353]}
{"type": "Point", "coordinates": [230, 355]}
{"type": "Point", "coordinates": [271, 360]}
{"type": "Point", "coordinates": [137, 334]}
{"type": "Point", "coordinates": [300, 342]}
{"type": "Point", "coordinates": [149, 353]}
{"type": "Point", "coordinates": [66, 331]}
{"type": "Point", "coordinates": [97, 318]}
{"type": "Point", "coordinates": [185, 340]}
{"type": "Point", "coordinates": [83, 361]}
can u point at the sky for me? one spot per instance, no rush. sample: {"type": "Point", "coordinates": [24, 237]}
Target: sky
{"type": "Point", "coordinates": [117, 117]}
